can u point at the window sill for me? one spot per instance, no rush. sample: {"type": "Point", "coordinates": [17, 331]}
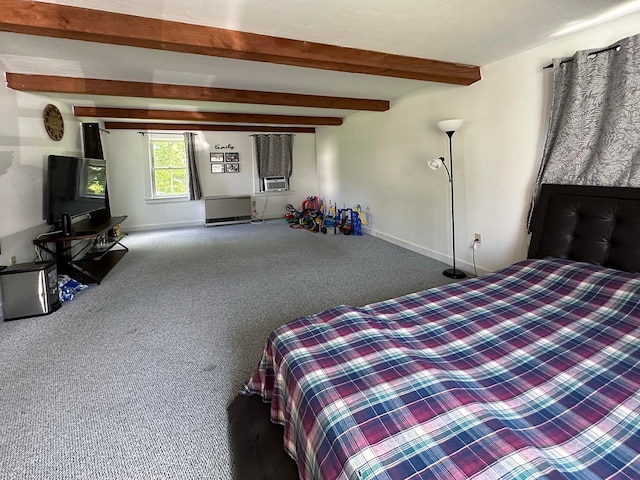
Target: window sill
{"type": "Point", "coordinates": [274, 194]}
{"type": "Point", "coordinates": [166, 200]}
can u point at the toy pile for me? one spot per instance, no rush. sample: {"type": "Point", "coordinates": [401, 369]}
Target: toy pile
{"type": "Point", "coordinates": [316, 217]}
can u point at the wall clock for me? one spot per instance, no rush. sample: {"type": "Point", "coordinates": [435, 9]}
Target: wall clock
{"type": "Point", "coordinates": [53, 123]}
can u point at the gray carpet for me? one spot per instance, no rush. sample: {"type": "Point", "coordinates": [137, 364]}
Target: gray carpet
{"type": "Point", "coordinates": [132, 378]}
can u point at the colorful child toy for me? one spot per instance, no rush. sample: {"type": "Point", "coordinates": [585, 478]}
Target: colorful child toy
{"type": "Point", "coordinates": [315, 217]}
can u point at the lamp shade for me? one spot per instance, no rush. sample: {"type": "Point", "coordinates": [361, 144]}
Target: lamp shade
{"type": "Point", "coordinates": [434, 164]}
{"type": "Point", "coordinates": [450, 125]}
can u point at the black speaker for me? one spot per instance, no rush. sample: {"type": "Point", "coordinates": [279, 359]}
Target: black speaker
{"type": "Point", "coordinates": [66, 224]}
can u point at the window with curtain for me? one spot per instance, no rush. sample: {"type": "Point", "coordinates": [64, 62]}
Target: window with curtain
{"type": "Point", "coordinates": [274, 157]}
{"type": "Point", "coordinates": [593, 136]}
{"type": "Point", "coordinates": [168, 163]}
{"type": "Point", "coordinates": [173, 166]}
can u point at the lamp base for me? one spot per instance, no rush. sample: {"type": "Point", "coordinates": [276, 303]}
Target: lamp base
{"type": "Point", "coordinates": [454, 273]}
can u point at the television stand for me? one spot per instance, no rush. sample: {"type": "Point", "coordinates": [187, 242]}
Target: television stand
{"type": "Point", "coordinates": [89, 252]}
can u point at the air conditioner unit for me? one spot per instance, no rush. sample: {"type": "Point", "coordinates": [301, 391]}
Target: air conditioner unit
{"type": "Point", "coordinates": [275, 184]}
{"type": "Point", "coordinates": [223, 210]}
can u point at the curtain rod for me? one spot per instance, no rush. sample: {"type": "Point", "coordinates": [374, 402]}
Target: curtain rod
{"type": "Point", "coordinates": [613, 47]}
{"type": "Point", "coordinates": [258, 134]}
{"type": "Point", "coordinates": [99, 127]}
{"type": "Point", "coordinates": [160, 132]}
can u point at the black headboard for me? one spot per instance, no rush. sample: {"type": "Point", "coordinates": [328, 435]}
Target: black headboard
{"type": "Point", "coordinates": [599, 225]}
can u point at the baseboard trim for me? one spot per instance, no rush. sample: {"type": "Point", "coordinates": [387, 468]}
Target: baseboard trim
{"type": "Point", "coordinates": [191, 223]}
{"type": "Point", "coordinates": [466, 266]}
{"type": "Point", "coordinates": [427, 252]}
{"type": "Point", "coordinates": [160, 226]}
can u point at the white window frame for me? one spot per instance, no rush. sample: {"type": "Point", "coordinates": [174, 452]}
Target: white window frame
{"type": "Point", "coordinates": [152, 195]}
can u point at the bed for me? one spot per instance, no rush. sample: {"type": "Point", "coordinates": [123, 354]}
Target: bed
{"type": "Point", "coordinates": [529, 372]}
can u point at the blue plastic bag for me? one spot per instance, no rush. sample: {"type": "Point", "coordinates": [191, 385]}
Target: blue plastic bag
{"type": "Point", "coordinates": [68, 287]}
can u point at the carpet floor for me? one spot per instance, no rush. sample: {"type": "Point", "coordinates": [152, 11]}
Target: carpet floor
{"type": "Point", "coordinates": [132, 378]}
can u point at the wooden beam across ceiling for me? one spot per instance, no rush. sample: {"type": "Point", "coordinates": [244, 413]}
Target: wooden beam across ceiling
{"type": "Point", "coordinates": [119, 88]}
{"type": "Point", "coordinates": [215, 117]}
{"type": "Point", "coordinates": [61, 21]}
{"type": "Point", "coordinates": [203, 127]}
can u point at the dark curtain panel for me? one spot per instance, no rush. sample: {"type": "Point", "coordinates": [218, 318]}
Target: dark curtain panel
{"type": "Point", "coordinates": [195, 190]}
{"type": "Point", "coordinates": [92, 145]}
{"type": "Point", "coordinates": [594, 131]}
{"type": "Point", "coordinates": [274, 153]}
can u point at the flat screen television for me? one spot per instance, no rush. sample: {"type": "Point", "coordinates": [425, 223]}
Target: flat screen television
{"type": "Point", "coordinates": [75, 186]}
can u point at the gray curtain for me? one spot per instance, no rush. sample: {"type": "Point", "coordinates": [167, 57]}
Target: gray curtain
{"type": "Point", "coordinates": [594, 131]}
{"type": "Point", "coordinates": [195, 190]}
{"type": "Point", "coordinates": [274, 155]}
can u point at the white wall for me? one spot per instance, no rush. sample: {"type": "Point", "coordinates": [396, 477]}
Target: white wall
{"type": "Point", "coordinates": [127, 155]}
{"type": "Point", "coordinates": [24, 148]}
{"type": "Point", "coordinates": [380, 159]}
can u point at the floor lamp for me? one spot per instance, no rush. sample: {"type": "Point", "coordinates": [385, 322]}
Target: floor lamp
{"type": "Point", "coordinates": [449, 127]}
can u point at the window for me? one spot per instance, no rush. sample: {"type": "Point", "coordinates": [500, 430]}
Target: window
{"type": "Point", "coordinates": [168, 167]}
{"type": "Point", "coordinates": [94, 177]}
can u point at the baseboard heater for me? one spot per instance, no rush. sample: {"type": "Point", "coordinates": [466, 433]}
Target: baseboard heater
{"type": "Point", "coordinates": [226, 210]}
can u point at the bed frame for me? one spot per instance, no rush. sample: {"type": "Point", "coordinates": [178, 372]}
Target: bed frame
{"type": "Point", "coordinates": [256, 442]}
{"type": "Point", "coordinates": [599, 225]}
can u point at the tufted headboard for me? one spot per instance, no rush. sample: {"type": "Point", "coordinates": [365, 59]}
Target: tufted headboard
{"type": "Point", "coordinates": [599, 225]}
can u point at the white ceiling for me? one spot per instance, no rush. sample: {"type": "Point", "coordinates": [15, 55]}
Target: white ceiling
{"type": "Point", "coordinates": [476, 32]}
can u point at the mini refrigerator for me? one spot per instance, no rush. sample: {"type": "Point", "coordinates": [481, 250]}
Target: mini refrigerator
{"type": "Point", "coordinates": [29, 289]}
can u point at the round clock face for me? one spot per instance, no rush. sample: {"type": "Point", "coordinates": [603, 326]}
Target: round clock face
{"type": "Point", "coordinates": [53, 123]}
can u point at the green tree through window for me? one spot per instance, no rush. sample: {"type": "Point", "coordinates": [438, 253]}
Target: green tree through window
{"type": "Point", "coordinates": [169, 167]}
{"type": "Point", "coordinates": [96, 179]}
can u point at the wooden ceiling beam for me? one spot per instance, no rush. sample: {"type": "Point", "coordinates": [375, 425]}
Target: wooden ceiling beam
{"type": "Point", "coordinates": [118, 88]}
{"type": "Point", "coordinates": [203, 127]}
{"type": "Point", "coordinates": [212, 117]}
{"type": "Point", "coordinates": [61, 21]}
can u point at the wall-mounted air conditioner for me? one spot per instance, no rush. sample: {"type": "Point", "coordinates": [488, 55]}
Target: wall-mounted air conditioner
{"type": "Point", "coordinates": [276, 184]}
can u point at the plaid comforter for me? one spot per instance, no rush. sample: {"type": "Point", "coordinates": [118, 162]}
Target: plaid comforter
{"type": "Point", "coordinates": [530, 372]}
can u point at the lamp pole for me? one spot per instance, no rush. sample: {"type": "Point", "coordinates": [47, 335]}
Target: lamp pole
{"type": "Point", "coordinates": [452, 272]}
{"type": "Point", "coordinates": [449, 127]}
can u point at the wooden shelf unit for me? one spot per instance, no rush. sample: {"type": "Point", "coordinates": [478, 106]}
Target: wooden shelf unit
{"type": "Point", "coordinates": [89, 252]}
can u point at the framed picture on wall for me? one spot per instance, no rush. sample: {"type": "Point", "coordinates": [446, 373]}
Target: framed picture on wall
{"type": "Point", "coordinates": [216, 157]}
{"type": "Point", "coordinates": [232, 167]}
{"type": "Point", "coordinates": [232, 157]}
{"type": "Point", "coordinates": [217, 168]}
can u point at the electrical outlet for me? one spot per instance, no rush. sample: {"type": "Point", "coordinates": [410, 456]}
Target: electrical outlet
{"type": "Point", "coordinates": [13, 260]}
{"type": "Point", "coordinates": [253, 203]}
{"type": "Point", "coordinates": [477, 240]}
